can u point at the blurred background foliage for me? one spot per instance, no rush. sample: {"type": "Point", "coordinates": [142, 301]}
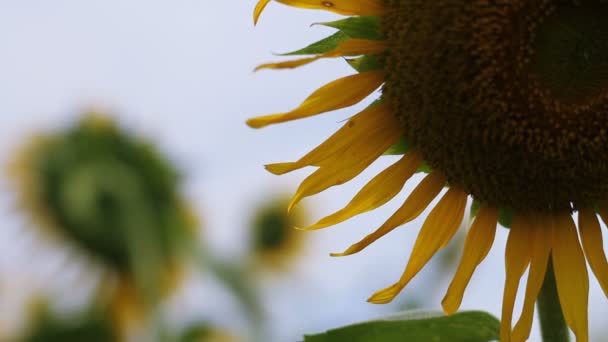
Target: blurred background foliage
{"type": "Point", "coordinates": [116, 202]}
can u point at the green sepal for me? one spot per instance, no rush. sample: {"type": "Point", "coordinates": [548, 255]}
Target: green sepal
{"type": "Point", "coordinates": [471, 326]}
{"type": "Point", "coordinates": [475, 206]}
{"type": "Point", "coordinates": [363, 27]}
{"type": "Point", "coordinates": [322, 46]}
{"type": "Point", "coordinates": [375, 103]}
{"type": "Point", "coordinates": [365, 63]}
{"type": "Point", "coordinates": [505, 215]}
{"type": "Point", "coordinates": [424, 168]}
{"type": "Point", "coordinates": [400, 148]}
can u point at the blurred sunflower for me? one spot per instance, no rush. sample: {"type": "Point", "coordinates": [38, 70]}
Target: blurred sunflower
{"type": "Point", "coordinates": [115, 198]}
{"type": "Point", "coordinates": [274, 242]}
{"type": "Point", "coordinates": [505, 102]}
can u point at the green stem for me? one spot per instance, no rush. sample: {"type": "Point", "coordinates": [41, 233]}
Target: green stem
{"type": "Point", "coordinates": [234, 279]}
{"type": "Point", "coordinates": [552, 323]}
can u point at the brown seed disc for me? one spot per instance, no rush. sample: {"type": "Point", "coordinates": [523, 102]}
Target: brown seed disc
{"type": "Point", "coordinates": [509, 98]}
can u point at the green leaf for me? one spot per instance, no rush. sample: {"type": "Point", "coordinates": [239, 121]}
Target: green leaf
{"type": "Point", "coordinates": [322, 46]}
{"type": "Point", "coordinates": [363, 27]}
{"type": "Point", "coordinates": [365, 63]}
{"type": "Point", "coordinates": [472, 326]}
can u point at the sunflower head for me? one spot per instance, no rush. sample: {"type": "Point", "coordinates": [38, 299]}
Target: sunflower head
{"type": "Point", "coordinates": [501, 101]}
{"type": "Point", "coordinates": [274, 240]}
{"type": "Point", "coordinates": [102, 189]}
{"type": "Point", "coordinates": [509, 99]}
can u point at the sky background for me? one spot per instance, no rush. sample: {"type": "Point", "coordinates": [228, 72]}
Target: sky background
{"type": "Point", "coordinates": [180, 72]}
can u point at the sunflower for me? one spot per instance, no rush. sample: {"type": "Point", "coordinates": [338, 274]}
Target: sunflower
{"type": "Point", "coordinates": [114, 198]}
{"type": "Point", "coordinates": [501, 102]}
{"type": "Point", "coordinates": [274, 242]}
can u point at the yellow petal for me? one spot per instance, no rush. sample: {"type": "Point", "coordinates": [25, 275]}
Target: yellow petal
{"type": "Point", "coordinates": [438, 229]}
{"type": "Point", "coordinates": [344, 7]}
{"type": "Point", "coordinates": [288, 64]}
{"type": "Point", "coordinates": [377, 192]}
{"type": "Point", "coordinates": [356, 47]}
{"type": "Point", "coordinates": [354, 130]}
{"type": "Point", "coordinates": [593, 244]}
{"type": "Point", "coordinates": [353, 160]}
{"type": "Point", "coordinates": [343, 92]}
{"type": "Point", "coordinates": [517, 258]}
{"type": "Point", "coordinates": [126, 308]}
{"type": "Point", "coordinates": [415, 204]}
{"type": "Point", "coordinates": [350, 47]}
{"type": "Point", "coordinates": [571, 276]}
{"type": "Point", "coordinates": [540, 246]}
{"type": "Point", "coordinates": [259, 8]}
{"type": "Point", "coordinates": [476, 247]}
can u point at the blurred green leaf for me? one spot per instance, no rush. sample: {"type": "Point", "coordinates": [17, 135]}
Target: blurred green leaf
{"type": "Point", "coordinates": [472, 326]}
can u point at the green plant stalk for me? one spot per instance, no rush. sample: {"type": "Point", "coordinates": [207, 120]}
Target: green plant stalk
{"type": "Point", "coordinates": [143, 250]}
{"type": "Point", "coordinates": [552, 324]}
{"type": "Point", "coordinates": [234, 279]}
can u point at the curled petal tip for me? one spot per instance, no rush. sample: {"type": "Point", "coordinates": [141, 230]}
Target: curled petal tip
{"type": "Point", "coordinates": [384, 296]}
{"type": "Point", "coordinates": [448, 308]}
{"type": "Point", "coordinates": [259, 8]}
{"type": "Point", "coordinates": [292, 204]}
{"type": "Point", "coordinates": [256, 123]}
{"type": "Point", "coordinates": [379, 300]}
{"type": "Point", "coordinates": [281, 168]}
{"type": "Point", "coordinates": [345, 253]}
